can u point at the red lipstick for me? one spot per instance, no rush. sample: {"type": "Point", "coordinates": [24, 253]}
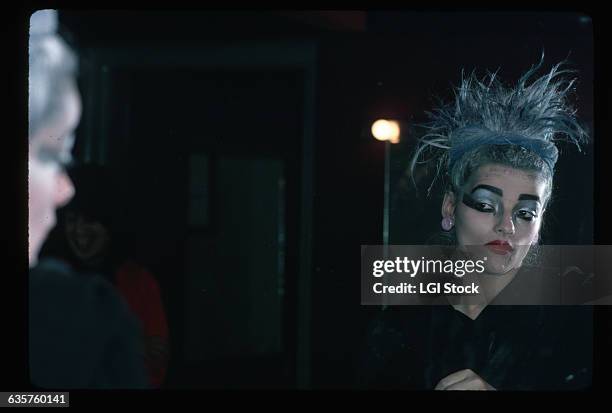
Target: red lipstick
{"type": "Point", "coordinates": [500, 247]}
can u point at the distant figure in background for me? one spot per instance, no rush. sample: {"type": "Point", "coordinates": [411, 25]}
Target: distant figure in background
{"type": "Point", "coordinates": [86, 237]}
{"type": "Point", "coordinates": [81, 334]}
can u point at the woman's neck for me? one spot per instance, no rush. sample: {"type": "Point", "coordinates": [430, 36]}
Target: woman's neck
{"type": "Point", "coordinates": [489, 285]}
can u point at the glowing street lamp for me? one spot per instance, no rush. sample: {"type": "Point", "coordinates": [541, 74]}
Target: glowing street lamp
{"type": "Point", "coordinates": [388, 131]}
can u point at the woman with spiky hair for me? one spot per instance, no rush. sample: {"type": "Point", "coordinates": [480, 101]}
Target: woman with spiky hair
{"type": "Point", "coordinates": [494, 146]}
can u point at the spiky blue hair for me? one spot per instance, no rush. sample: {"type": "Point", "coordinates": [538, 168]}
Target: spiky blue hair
{"type": "Point", "coordinates": [529, 117]}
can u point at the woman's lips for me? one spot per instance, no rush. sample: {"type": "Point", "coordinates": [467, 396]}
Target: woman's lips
{"type": "Point", "coordinates": [499, 247]}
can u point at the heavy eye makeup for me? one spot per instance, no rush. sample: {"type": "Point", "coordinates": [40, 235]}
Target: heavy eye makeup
{"type": "Point", "coordinates": [482, 204]}
{"type": "Point", "coordinates": [527, 211]}
{"type": "Point", "coordinates": [483, 198]}
{"type": "Point", "coordinates": [488, 201]}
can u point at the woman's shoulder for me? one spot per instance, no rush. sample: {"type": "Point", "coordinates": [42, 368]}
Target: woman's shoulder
{"type": "Point", "coordinates": [396, 321]}
{"type": "Point", "coordinates": [548, 285]}
{"type": "Point", "coordinates": [393, 348]}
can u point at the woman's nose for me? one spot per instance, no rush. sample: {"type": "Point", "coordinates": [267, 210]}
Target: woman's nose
{"type": "Point", "coordinates": [64, 190]}
{"type": "Point", "coordinates": [506, 224]}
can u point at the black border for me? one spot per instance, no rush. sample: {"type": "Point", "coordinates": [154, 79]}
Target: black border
{"type": "Point", "coordinates": [14, 372]}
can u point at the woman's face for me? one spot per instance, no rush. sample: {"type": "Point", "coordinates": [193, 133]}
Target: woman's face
{"type": "Point", "coordinates": [498, 215]}
{"type": "Point", "coordinates": [49, 187]}
{"type": "Point", "coordinates": [88, 239]}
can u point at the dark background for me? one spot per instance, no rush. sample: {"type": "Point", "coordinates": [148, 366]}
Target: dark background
{"type": "Point", "coordinates": [262, 291]}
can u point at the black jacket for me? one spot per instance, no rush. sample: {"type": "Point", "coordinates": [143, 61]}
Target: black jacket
{"type": "Point", "coordinates": [82, 335]}
{"type": "Point", "coordinates": [512, 347]}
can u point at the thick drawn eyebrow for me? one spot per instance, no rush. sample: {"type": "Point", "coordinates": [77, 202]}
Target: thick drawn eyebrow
{"type": "Point", "coordinates": [489, 188]}
{"type": "Point", "coordinates": [528, 197]}
{"type": "Point", "coordinates": [496, 190]}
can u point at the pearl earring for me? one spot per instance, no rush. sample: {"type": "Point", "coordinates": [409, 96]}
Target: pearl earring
{"type": "Point", "coordinates": [447, 223]}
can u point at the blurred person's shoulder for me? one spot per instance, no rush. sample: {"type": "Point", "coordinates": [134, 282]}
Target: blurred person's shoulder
{"type": "Point", "coordinates": [76, 322]}
{"type": "Point", "coordinates": [58, 292]}
{"type": "Point", "coordinates": [54, 281]}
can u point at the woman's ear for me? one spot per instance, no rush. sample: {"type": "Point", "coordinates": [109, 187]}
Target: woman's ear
{"type": "Point", "coordinates": [448, 204]}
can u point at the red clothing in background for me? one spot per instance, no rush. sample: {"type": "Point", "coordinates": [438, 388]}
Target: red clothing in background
{"type": "Point", "coordinates": [141, 292]}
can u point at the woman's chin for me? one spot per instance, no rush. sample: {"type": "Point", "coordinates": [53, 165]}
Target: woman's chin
{"type": "Point", "coordinates": [497, 264]}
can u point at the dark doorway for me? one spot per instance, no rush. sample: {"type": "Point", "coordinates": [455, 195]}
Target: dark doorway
{"type": "Point", "coordinates": [211, 161]}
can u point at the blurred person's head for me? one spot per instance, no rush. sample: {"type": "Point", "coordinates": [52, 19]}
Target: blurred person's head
{"type": "Point", "coordinates": [54, 110]}
{"type": "Point", "coordinates": [88, 218]}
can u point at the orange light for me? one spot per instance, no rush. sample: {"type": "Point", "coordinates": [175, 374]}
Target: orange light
{"type": "Point", "coordinates": [386, 130]}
